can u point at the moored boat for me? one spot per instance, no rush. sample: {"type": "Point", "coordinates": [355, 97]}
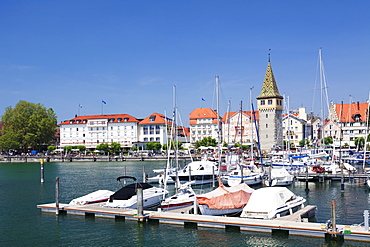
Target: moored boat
{"type": "Point", "coordinates": [201, 172]}
{"type": "Point", "coordinates": [272, 202]}
{"type": "Point", "coordinates": [183, 198]}
{"type": "Point", "coordinates": [126, 197]}
{"type": "Point", "coordinates": [279, 177]}
{"type": "Point", "coordinates": [93, 197]}
{"type": "Point", "coordinates": [225, 200]}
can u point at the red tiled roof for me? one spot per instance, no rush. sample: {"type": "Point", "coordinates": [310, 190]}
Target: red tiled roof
{"type": "Point", "coordinates": [200, 113]}
{"type": "Point", "coordinates": [156, 118]}
{"type": "Point", "coordinates": [230, 114]}
{"type": "Point", "coordinates": [349, 111]}
{"type": "Point", "coordinates": [114, 118]}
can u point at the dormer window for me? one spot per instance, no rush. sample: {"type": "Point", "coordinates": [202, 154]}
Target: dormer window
{"type": "Point", "coordinates": [356, 117]}
{"type": "Point", "coordinates": [125, 119]}
{"type": "Point", "coordinates": [119, 119]}
{"type": "Point", "coordinates": [152, 118]}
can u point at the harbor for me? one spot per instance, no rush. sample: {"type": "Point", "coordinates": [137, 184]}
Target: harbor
{"type": "Point", "coordinates": [80, 225]}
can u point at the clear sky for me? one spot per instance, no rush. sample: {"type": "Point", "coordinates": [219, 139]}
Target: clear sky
{"type": "Point", "coordinates": [63, 54]}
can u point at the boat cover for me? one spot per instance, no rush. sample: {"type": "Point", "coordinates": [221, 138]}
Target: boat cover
{"type": "Point", "coordinates": [227, 197]}
{"type": "Point", "coordinates": [128, 191]}
{"type": "Point", "coordinates": [280, 173]}
{"type": "Point", "coordinates": [268, 199]}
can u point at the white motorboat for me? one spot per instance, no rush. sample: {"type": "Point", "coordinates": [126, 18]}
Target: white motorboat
{"type": "Point", "coordinates": [201, 172]}
{"type": "Point", "coordinates": [126, 197]}
{"type": "Point", "coordinates": [272, 202]}
{"type": "Point", "coordinates": [183, 198]}
{"type": "Point", "coordinates": [279, 177]}
{"type": "Point", "coordinates": [225, 200]}
{"type": "Point", "coordinates": [93, 197]}
{"type": "Point", "coordinates": [246, 173]}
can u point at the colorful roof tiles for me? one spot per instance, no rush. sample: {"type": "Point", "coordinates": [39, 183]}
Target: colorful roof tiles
{"type": "Point", "coordinates": [269, 87]}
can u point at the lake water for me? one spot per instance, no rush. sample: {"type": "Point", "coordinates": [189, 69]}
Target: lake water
{"type": "Point", "coordinates": [22, 224]}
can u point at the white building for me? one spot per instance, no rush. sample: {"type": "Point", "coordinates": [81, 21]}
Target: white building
{"type": "Point", "coordinates": [92, 130]}
{"type": "Point", "coordinates": [239, 127]}
{"type": "Point", "coordinates": [204, 123]}
{"type": "Point", "coordinates": [155, 128]}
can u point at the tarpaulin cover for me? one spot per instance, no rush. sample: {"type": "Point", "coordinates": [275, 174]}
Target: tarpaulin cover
{"type": "Point", "coordinates": [227, 197]}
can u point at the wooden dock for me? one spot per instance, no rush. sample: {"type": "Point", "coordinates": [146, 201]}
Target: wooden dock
{"type": "Point", "coordinates": [289, 225]}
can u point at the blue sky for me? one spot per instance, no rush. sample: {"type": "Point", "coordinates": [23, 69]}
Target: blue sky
{"type": "Point", "coordinates": [131, 53]}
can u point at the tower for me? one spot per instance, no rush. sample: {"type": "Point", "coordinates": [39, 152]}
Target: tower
{"type": "Point", "coordinates": [270, 108]}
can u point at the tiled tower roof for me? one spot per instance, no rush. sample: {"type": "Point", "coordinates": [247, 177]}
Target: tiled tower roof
{"type": "Point", "coordinates": [269, 88]}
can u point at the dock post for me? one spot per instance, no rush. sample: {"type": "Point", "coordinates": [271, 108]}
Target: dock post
{"type": "Point", "coordinates": [342, 178]}
{"type": "Point", "coordinates": [195, 205]}
{"type": "Point", "coordinates": [270, 179]}
{"type": "Point", "coordinates": [42, 170]}
{"type": "Point", "coordinates": [144, 175]}
{"type": "Point", "coordinates": [333, 217]}
{"type": "Point", "coordinates": [57, 195]}
{"type": "Point", "coordinates": [307, 189]}
{"type": "Point", "coordinates": [366, 220]}
{"type": "Point", "coordinates": [213, 177]}
{"type": "Point", "coordinates": [140, 206]}
{"type": "Point", "coordinates": [189, 173]}
{"type": "Point", "coordinates": [124, 180]}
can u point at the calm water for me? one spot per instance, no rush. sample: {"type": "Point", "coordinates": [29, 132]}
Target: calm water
{"type": "Point", "coordinates": [22, 224]}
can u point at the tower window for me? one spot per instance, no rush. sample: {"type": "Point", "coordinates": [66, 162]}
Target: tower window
{"type": "Point", "coordinates": [270, 101]}
{"type": "Point", "coordinates": [262, 102]}
{"type": "Point", "coordinates": [267, 115]}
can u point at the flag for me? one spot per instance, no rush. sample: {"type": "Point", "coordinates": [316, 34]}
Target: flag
{"type": "Point", "coordinates": [104, 102]}
{"type": "Point", "coordinates": [203, 99]}
{"type": "Point", "coordinates": [80, 106]}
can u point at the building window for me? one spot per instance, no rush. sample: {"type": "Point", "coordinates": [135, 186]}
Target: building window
{"type": "Point", "coordinates": [267, 115]}
{"type": "Point", "coordinates": [270, 101]}
{"type": "Point", "coordinates": [267, 126]}
{"type": "Point", "coordinates": [262, 102]}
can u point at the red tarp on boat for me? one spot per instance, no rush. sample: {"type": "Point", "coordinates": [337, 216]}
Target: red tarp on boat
{"type": "Point", "coordinates": [227, 197]}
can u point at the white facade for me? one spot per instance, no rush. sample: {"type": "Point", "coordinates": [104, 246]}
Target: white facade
{"type": "Point", "coordinates": [90, 131]}
{"type": "Point", "coordinates": [238, 127]}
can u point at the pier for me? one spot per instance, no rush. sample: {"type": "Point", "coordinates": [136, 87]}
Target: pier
{"type": "Point", "coordinates": [289, 225]}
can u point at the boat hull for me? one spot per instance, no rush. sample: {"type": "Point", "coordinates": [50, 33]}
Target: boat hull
{"type": "Point", "coordinates": [206, 210]}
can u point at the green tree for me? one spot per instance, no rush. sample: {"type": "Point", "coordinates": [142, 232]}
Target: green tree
{"type": "Point", "coordinates": [27, 126]}
{"type": "Point", "coordinates": [155, 146]}
{"type": "Point", "coordinates": [206, 142]}
{"type": "Point", "coordinates": [328, 140]}
{"type": "Point", "coordinates": [173, 147]}
{"type": "Point", "coordinates": [304, 143]}
{"type": "Point", "coordinates": [82, 148]}
{"type": "Point", "coordinates": [103, 147]}
{"type": "Point", "coordinates": [52, 148]}
{"type": "Point", "coordinates": [67, 149]}
{"type": "Point", "coordinates": [360, 142]}
{"type": "Point", "coordinates": [115, 147]}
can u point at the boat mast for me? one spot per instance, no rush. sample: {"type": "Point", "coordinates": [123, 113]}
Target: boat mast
{"type": "Point", "coordinates": [250, 123]}
{"type": "Point", "coordinates": [324, 93]}
{"type": "Point", "coordinates": [228, 122]}
{"type": "Point", "coordinates": [241, 125]}
{"type": "Point", "coordinates": [367, 131]}
{"type": "Point", "coordinates": [218, 125]}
